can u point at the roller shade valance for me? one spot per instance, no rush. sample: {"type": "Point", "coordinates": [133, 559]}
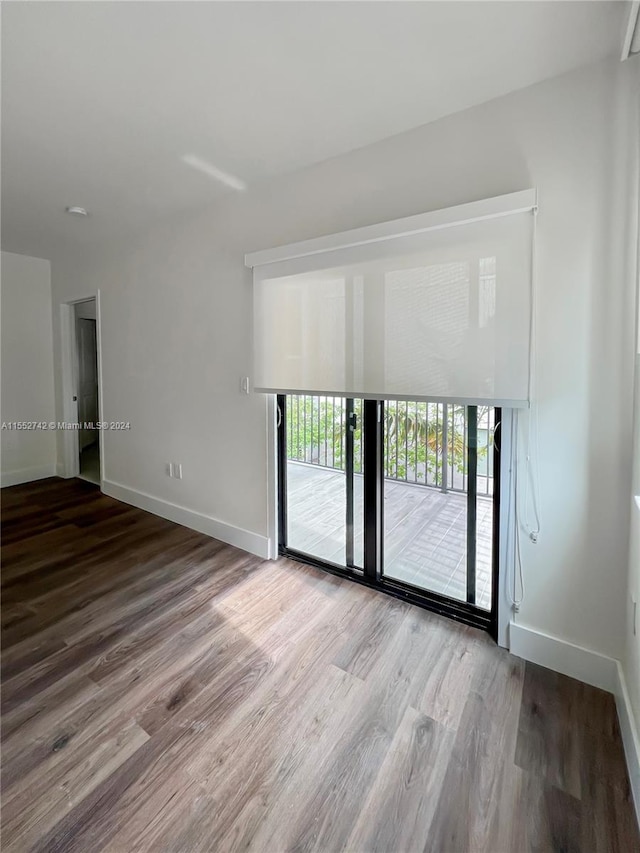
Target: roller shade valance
{"type": "Point", "coordinates": [436, 306]}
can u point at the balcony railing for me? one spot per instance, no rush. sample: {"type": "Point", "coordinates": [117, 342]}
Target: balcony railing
{"type": "Point", "coordinates": [425, 443]}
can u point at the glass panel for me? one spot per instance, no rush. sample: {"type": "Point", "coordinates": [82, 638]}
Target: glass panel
{"type": "Point", "coordinates": [484, 534]}
{"type": "Point", "coordinates": [317, 487]}
{"type": "Point", "coordinates": [425, 498]}
{"type": "Point", "coordinates": [358, 489]}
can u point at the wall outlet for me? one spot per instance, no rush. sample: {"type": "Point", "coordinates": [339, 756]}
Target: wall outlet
{"type": "Point", "coordinates": [244, 385]}
{"type": "Point", "coordinates": [177, 470]}
{"type": "Point", "coordinates": [168, 469]}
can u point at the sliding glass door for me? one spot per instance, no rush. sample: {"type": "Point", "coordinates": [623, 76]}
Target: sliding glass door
{"type": "Point", "coordinates": [438, 498]}
{"type": "Point", "coordinates": [321, 468]}
{"type": "Point", "coordinates": [400, 495]}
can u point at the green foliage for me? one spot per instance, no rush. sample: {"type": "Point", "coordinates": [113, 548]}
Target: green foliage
{"type": "Point", "coordinates": [414, 436]}
{"type": "Point", "coordinates": [315, 431]}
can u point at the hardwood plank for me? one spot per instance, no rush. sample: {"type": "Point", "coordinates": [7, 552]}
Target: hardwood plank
{"type": "Point", "coordinates": [398, 816]}
{"type": "Point", "coordinates": [48, 725]}
{"type": "Point", "coordinates": [26, 819]}
{"type": "Point", "coordinates": [480, 760]}
{"type": "Point", "coordinates": [110, 570]}
{"type": "Point", "coordinates": [165, 692]}
{"type": "Point", "coordinates": [360, 655]}
{"type": "Point", "coordinates": [446, 673]}
{"type": "Point", "coordinates": [249, 786]}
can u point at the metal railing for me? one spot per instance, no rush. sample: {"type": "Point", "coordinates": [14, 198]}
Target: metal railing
{"type": "Point", "coordinates": [424, 443]}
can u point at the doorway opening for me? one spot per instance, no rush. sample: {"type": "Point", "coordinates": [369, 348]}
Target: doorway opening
{"type": "Point", "coordinates": [397, 494]}
{"type": "Point", "coordinates": [87, 391]}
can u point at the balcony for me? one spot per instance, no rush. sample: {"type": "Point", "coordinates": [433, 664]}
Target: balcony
{"type": "Point", "coordinates": [425, 491]}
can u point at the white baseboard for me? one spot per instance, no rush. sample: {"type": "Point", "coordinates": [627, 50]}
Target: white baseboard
{"type": "Point", "coordinates": [630, 737]}
{"type": "Point", "coordinates": [27, 475]}
{"type": "Point", "coordinates": [245, 539]}
{"type": "Point", "coordinates": [561, 656]}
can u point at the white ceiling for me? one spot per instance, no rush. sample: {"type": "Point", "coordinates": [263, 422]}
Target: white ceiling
{"type": "Point", "coordinates": [100, 101]}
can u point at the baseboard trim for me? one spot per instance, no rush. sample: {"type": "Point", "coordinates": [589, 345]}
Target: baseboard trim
{"type": "Point", "coordinates": [237, 536]}
{"type": "Point", "coordinates": [630, 737]}
{"type": "Point", "coordinates": [27, 475]}
{"type": "Point", "coordinates": [561, 656]}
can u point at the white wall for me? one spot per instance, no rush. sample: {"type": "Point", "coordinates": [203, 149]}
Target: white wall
{"type": "Point", "coordinates": [631, 657]}
{"type": "Point", "coordinates": [176, 326]}
{"type": "Point", "coordinates": [27, 368]}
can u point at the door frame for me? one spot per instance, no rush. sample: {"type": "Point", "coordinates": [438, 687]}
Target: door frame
{"type": "Point", "coordinates": [493, 621]}
{"type": "Point", "coordinates": [69, 360]}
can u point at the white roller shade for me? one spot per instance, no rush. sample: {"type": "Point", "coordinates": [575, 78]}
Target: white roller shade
{"type": "Point", "coordinates": [434, 306]}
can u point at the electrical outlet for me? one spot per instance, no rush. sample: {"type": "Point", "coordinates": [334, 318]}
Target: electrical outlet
{"type": "Point", "coordinates": [177, 470]}
{"type": "Point", "coordinates": [244, 385]}
{"type": "Point", "coordinates": [534, 536]}
{"type": "Point", "coordinates": [168, 469]}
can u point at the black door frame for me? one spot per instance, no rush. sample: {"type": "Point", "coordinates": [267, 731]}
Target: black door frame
{"type": "Point", "coordinates": [372, 574]}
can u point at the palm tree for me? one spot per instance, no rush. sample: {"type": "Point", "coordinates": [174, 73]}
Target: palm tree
{"type": "Point", "coordinates": [417, 430]}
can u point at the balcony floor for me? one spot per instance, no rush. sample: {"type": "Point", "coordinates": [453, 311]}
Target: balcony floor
{"type": "Point", "coordinates": [425, 530]}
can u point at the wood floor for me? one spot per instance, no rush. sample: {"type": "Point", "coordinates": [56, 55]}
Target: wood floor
{"type": "Point", "coordinates": [165, 692]}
